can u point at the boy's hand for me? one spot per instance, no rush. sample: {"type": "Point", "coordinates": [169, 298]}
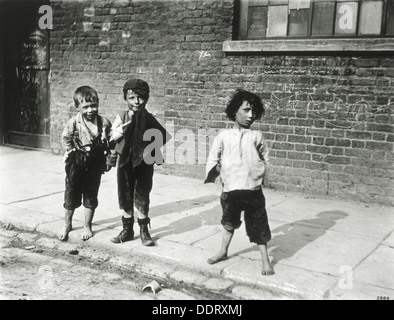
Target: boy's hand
{"type": "Point", "coordinates": [111, 159]}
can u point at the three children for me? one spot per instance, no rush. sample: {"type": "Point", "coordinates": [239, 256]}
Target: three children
{"type": "Point", "coordinates": [239, 155]}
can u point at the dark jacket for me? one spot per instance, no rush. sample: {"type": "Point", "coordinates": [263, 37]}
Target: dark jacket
{"type": "Point", "coordinates": [132, 147]}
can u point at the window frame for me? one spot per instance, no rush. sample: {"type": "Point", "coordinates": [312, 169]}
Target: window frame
{"type": "Point", "coordinates": [333, 42]}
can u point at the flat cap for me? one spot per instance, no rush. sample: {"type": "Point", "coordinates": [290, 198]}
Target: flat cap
{"type": "Point", "coordinates": [138, 86]}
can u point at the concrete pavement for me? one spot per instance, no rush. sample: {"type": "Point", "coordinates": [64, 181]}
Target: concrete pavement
{"type": "Point", "coordinates": [322, 248]}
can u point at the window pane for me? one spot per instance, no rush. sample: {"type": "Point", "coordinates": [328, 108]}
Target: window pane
{"type": "Point", "coordinates": [257, 24]}
{"type": "Point", "coordinates": [323, 18]}
{"type": "Point", "coordinates": [371, 17]}
{"type": "Point", "coordinates": [260, 19]}
{"type": "Point", "coordinates": [277, 21]}
{"type": "Point", "coordinates": [299, 22]}
{"type": "Point", "coordinates": [346, 19]}
{"type": "Point", "coordinates": [390, 18]}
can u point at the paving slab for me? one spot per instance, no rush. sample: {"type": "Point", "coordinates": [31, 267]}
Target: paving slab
{"type": "Point", "coordinates": [360, 291]}
{"type": "Point", "coordinates": [248, 293]}
{"type": "Point", "coordinates": [373, 222]}
{"type": "Point", "coordinates": [377, 268]}
{"type": "Point", "coordinates": [325, 253]}
{"type": "Point", "coordinates": [24, 218]}
{"type": "Point", "coordinates": [289, 281]}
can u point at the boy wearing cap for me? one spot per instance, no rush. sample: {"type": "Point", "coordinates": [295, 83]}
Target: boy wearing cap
{"type": "Point", "coordinates": [131, 133]}
{"type": "Point", "coordinates": [85, 139]}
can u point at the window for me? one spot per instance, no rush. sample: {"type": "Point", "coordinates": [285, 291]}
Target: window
{"type": "Point", "coordinates": [312, 25]}
{"type": "Point", "coordinates": [292, 19]}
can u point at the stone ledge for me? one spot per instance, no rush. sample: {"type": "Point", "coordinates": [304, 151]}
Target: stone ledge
{"type": "Point", "coordinates": [277, 45]}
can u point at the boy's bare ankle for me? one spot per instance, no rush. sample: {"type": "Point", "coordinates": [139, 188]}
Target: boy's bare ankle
{"type": "Point", "coordinates": [87, 233]}
{"type": "Point", "coordinates": [64, 234]}
{"type": "Point", "coordinates": [267, 269]}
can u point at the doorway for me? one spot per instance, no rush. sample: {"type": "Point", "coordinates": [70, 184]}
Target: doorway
{"type": "Point", "coordinates": [25, 50]}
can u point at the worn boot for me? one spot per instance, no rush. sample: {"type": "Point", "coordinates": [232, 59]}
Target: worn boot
{"type": "Point", "coordinates": [127, 234]}
{"type": "Point", "coordinates": [145, 236]}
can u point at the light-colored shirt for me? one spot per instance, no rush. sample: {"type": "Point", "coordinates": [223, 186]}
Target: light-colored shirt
{"type": "Point", "coordinates": [242, 155]}
{"type": "Point", "coordinates": [118, 126]}
{"type": "Point", "coordinates": [78, 126]}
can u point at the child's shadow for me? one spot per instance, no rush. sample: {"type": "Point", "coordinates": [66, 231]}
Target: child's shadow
{"type": "Point", "coordinates": [207, 217]}
{"type": "Point", "coordinates": [288, 239]}
{"type": "Point", "coordinates": [182, 225]}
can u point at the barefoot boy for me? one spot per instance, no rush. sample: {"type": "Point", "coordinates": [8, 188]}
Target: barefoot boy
{"type": "Point", "coordinates": [85, 139]}
{"type": "Point", "coordinates": [239, 156]}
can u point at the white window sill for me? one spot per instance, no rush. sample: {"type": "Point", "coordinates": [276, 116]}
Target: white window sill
{"type": "Point", "coordinates": [320, 44]}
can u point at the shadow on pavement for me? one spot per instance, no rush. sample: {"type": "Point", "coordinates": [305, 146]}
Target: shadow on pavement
{"type": "Point", "coordinates": [183, 225]}
{"type": "Point", "coordinates": [207, 217]}
{"type": "Point", "coordinates": [289, 238]}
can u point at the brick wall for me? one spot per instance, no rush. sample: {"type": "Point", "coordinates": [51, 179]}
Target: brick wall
{"type": "Point", "coordinates": [328, 121]}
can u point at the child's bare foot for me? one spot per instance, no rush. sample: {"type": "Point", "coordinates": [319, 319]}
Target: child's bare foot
{"type": "Point", "coordinates": [87, 233]}
{"type": "Point", "coordinates": [64, 235]}
{"type": "Point", "coordinates": [217, 258]}
{"type": "Point", "coordinates": [267, 269]}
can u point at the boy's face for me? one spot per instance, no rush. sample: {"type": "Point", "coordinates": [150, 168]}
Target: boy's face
{"type": "Point", "coordinates": [245, 115]}
{"type": "Point", "coordinates": [134, 101]}
{"type": "Point", "coordinates": [89, 110]}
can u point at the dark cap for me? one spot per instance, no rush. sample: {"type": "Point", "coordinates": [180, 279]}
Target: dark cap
{"type": "Point", "coordinates": [138, 86]}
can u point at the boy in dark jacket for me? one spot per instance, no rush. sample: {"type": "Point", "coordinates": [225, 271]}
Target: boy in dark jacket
{"type": "Point", "coordinates": [132, 132]}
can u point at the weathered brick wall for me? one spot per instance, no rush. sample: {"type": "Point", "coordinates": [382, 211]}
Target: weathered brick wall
{"type": "Point", "coordinates": [329, 118]}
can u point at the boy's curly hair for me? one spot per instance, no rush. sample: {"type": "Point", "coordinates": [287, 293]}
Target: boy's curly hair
{"type": "Point", "coordinates": [85, 93]}
{"type": "Point", "coordinates": [238, 98]}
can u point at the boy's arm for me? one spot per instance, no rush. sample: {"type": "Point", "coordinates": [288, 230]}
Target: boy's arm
{"type": "Point", "coordinates": [263, 150]}
{"type": "Point", "coordinates": [118, 126]}
{"type": "Point", "coordinates": [117, 129]}
{"type": "Point", "coordinates": [111, 155]}
{"type": "Point", "coordinates": [212, 170]}
{"type": "Point", "coordinates": [264, 155]}
{"type": "Point", "coordinates": [68, 136]}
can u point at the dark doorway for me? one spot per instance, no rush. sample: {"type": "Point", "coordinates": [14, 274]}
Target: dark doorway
{"type": "Point", "coordinates": [25, 50]}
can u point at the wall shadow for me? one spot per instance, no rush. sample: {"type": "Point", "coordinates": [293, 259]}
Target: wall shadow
{"type": "Point", "coordinates": [286, 240]}
{"type": "Point", "coordinates": [207, 217]}
{"type": "Point", "coordinates": [182, 225]}
{"type": "Point", "coordinates": [289, 238]}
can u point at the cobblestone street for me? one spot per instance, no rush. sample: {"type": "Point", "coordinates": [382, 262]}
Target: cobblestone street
{"type": "Point", "coordinates": [29, 272]}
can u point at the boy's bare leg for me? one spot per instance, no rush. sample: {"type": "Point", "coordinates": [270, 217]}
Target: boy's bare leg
{"type": "Point", "coordinates": [128, 214]}
{"type": "Point", "coordinates": [141, 215]}
{"type": "Point", "coordinates": [267, 268]}
{"type": "Point", "coordinates": [88, 233]}
{"type": "Point", "coordinates": [222, 255]}
{"type": "Point", "coordinates": [68, 216]}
